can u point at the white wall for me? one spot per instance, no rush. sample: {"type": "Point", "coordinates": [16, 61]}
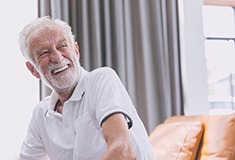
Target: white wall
{"type": "Point", "coordinates": [194, 69]}
{"type": "Point", "coordinates": [19, 91]}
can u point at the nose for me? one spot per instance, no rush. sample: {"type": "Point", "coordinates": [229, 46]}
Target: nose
{"type": "Point", "coordinates": [56, 56]}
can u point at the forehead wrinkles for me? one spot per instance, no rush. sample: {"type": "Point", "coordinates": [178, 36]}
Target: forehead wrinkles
{"type": "Point", "coordinates": [46, 38]}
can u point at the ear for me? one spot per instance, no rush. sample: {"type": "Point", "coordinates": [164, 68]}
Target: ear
{"type": "Point", "coordinates": [33, 70]}
{"type": "Point", "coordinates": [76, 47]}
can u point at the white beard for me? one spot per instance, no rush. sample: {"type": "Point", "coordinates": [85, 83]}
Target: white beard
{"type": "Point", "coordinates": [64, 83]}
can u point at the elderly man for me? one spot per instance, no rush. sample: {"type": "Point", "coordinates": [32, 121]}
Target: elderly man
{"type": "Point", "coordinates": [89, 115]}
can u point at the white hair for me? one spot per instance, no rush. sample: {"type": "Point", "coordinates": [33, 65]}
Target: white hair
{"type": "Point", "coordinates": [37, 25]}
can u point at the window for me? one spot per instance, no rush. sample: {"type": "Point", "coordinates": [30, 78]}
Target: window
{"type": "Point", "coordinates": [19, 90]}
{"type": "Point", "coordinates": [219, 32]}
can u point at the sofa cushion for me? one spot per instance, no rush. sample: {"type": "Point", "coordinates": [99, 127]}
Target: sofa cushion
{"type": "Point", "coordinates": [219, 135]}
{"type": "Point", "coordinates": [176, 141]}
{"type": "Point", "coordinates": [219, 138]}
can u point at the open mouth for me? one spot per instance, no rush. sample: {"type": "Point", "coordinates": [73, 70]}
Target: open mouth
{"type": "Point", "coordinates": [61, 69]}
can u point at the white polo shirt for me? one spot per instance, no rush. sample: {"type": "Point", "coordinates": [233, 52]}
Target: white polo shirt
{"type": "Point", "coordinates": [77, 133]}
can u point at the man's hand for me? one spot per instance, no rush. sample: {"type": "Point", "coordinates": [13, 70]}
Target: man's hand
{"type": "Point", "coordinates": [119, 145]}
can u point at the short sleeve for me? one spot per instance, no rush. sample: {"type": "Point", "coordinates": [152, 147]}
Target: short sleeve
{"type": "Point", "coordinates": [110, 96]}
{"type": "Point", "coordinates": [128, 119]}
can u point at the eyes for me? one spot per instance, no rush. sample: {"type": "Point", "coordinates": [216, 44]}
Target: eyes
{"type": "Point", "coordinates": [62, 46]}
{"type": "Point", "coordinates": [45, 52]}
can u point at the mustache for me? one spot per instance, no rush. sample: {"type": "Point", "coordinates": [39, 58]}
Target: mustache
{"type": "Point", "coordinates": [53, 66]}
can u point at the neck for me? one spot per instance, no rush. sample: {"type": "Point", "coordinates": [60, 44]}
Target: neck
{"type": "Point", "coordinates": [65, 94]}
{"type": "Point", "coordinates": [58, 107]}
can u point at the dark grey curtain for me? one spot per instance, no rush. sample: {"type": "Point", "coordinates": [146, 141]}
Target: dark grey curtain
{"type": "Point", "coordinates": [137, 38]}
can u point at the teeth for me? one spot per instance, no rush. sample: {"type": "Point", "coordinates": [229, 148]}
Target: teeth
{"type": "Point", "coordinates": [60, 69]}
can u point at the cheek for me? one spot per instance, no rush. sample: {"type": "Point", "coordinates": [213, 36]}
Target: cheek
{"type": "Point", "coordinates": [71, 56]}
{"type": "Point", "coordinates": [43, 66]}
{"type": "Point", "coordinates": [75, 56]}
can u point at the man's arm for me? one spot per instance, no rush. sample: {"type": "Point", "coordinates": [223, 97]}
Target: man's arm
{"type": "Point", "coordinates": [116, 134]}
{"type": "Point", "coordinates": [32, 147]}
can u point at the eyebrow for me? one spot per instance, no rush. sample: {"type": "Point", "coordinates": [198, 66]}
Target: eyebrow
{"type": "Point", "coordinates": [62, 40]}
{"type": "Point", "coordinates": [43, 48]}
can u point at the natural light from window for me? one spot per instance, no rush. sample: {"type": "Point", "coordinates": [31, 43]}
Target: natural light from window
{"type": "Point", "coordinates": [219, 31]}
{"type": "Point", "coordinates": [19, 90]}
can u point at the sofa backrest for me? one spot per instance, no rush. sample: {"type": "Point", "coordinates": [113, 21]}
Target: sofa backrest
{"type": "Point", "coordinates": [195, 138]}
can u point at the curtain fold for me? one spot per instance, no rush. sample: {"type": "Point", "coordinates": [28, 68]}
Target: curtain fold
{"type": "Point", "coordinates": [139, 39]}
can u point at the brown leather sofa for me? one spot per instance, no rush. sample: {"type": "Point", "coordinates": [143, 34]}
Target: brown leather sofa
{"type": "Point", "coordinates": [210, 137]}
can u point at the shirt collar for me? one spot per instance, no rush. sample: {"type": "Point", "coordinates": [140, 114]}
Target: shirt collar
{"type": "Point", "coordinates": [80, 88]}
{"type": "Point", "coordinates": [78, 92]}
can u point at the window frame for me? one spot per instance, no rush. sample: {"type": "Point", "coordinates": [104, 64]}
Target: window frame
{"type": "Point", "coordinates": [225, 3]}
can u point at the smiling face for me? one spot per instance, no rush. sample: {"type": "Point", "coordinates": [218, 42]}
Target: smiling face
{"type": "Point", "coordinates": [56, 60]}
